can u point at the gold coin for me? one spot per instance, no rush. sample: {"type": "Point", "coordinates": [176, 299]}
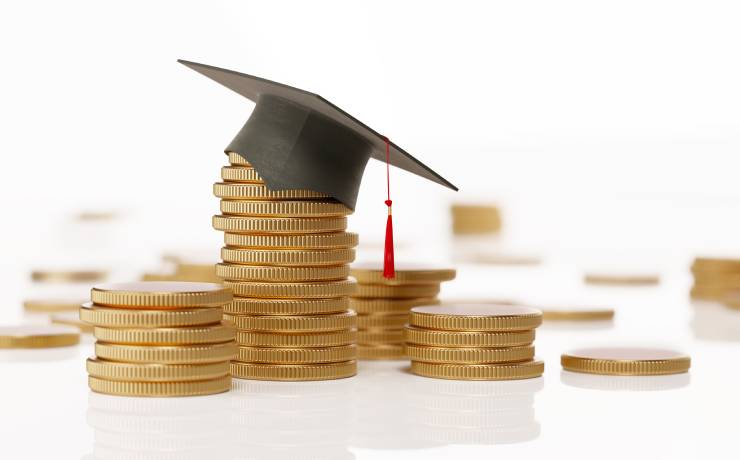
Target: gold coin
{"type": "Point", "coordinates": [288, 257]}
{"type": "Point", "coordinates": [179, 277]}
{"type": "Point", "coordinates": [88, 216]}
{"type": "Point", "coordinates": [193, 354]}
{"type": "Point", "coordinates": [160, 389]}
{"type": "Point", "coordinates": [250, 306]}
{"type": "Point", "coordinates": [469, 355]}
{"type": "Point", "coordinates": [241, 174]}
{"type": "Point", "coordinates": [137, 318]}
{"type": "Point", "coordinates": [382, 321]}
{"type": "Point", "coordinates": [138, 372]}
{"type": "Point", "coordinates": [625, 361]}
{"type": "Point", "coordinates": [476, 317]}
{"type": "Point", "coordinates": [293, 372]}
{"type": "Point", "coordinates": [284, 208]}
{"type": "Point", "coordinates": [293, 290]}
{"type": "Point", "coordinates": [381, 352]}
{"type": "Point", "coordinates": [313, 323]}
{"type": "Point", "coordinates": [615, 279]}
{"type": "Point", "coordinates": [389, 306]}
{"type": "Point", "coordinates": [38, 336]}
{"type": "Point", "coordinates": [72, 319]}
{"type": "Point", "coordinates": [236, 159]}
{"type": "Point", "coordinates": [579, 314]}
{"type": "Point", "coordinates": [292, 274]}
{"type": "Point", "coordinates": [436, 338]}
{"type": "Point", "coordinates": [504, 259]}
{"type": "Point", "coordinates": [297, 355]}
{"type": "Point", "coordinates": [68, 276]}
{"type": "Point", "coordinates": [379, 336]}
{"type": "Point", "coordinates": [710, 293]}
{"type": "Point", "coordinates": [714, 265]}
{"type": "Point", "coordinates": [231, 190]}
{"type": "Point", "coordinates": [220, 333]}
{"type": "Point", "coordinates": [157, 277]}
{"type": "Point", "coordinates": [718, 280]}
{"type": "Point", "coordinates": [404, 291]}
{"type": "Point", "coordinates": [323, 339]}
{"type": "Point", "coordinates": [511, 371]}
{"type": "Point", "coordinates": [405, 274]}
{"type": "Point", "coordinates": [195, 269]}
{"type": "Point", "coordinates": [156, 294]}
{"type": "Point", "coordinates": [233, 224]}
{"type": "Point", "coordinates": [317, 241]}
{"type": "Point", "coordinates": [51, 305]}
{"type": "Point", "coordinates": [468, 219]}
{"type": "Point", "coordinates": [484, 300]}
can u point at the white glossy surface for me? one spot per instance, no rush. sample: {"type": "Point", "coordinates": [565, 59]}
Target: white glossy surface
{"type": "Point", "coordinates": [387, 413]}
{"type": "Point", "coordinates": [601, 129]}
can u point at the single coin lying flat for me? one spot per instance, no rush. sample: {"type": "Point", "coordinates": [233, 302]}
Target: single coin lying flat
{"type": "Point", "coordinates": [625, 361]}
{"type": "Point", "coordinates": [38, 336]}
{"type": "Point", "coordinates": [476, 317]}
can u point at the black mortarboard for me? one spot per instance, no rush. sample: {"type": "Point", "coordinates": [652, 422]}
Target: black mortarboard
{"type": "Point", "coordinates": [298, 140]}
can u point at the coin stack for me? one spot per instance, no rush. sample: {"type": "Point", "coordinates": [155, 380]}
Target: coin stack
{"type": "Point", "coordinates": [473, 342]}
{"type": "Point", "coordinates": [159, 339]}
{"type": "Point", "coordinates": [383, 305]}
{"type": "Point", "coordinates": [471, 219]}
{"type": "Point", "coordinates": [286, 259]}
{"type": "Point", "coordinates": [715, 279]}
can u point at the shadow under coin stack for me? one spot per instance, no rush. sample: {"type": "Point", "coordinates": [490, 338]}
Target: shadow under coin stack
{"type": "Point", "coordinates": [473, 342]}
{"type": "Point", "coordinates": [383, 305]}
{"type": "Point", "coordinates": [159, 339]}
{"type": "Point", "coordinates": [286, 259]}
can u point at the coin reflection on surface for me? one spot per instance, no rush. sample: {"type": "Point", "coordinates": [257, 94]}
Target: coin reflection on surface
{"type": "Point", "coordinates": [382, 419]}
{"type": "Point", "coordinates": [625, 382]}
{"type": "Point", "coordinates": [715, 322]}
{"type": "Point", "coordinates": [158, 428]}
{"type": "Point", "coordinates": [476, 412]}
{"type": "Point", "coordinates": [287, 420]}
{"type": "Point", "coordinates": [404, 411]}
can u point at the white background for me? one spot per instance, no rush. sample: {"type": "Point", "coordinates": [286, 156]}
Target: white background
{"type": "Point", "coordinates": [608, 132]}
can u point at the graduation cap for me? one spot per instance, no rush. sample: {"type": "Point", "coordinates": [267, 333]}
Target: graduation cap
{"type": "Point", "coordinates": [296, 139]}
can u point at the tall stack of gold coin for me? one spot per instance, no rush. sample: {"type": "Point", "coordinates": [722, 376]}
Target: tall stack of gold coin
{"type": "Point", "coordinates": [159, 339]}
{"type": "Point", "coordinates": [383, 305]}
{"type": "Point", "coordinates": [473, 342]}
{"type": "Point", "coordinates": [286, 259]}
{"type": "Point", "coordinates": [716, 279]}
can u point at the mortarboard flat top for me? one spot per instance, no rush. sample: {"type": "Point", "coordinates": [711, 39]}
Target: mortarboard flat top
{"type": "Point", "coordinates": [298, 140]}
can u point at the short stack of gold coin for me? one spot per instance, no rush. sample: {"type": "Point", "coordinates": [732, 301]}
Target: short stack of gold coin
{"type": "Point", "coordinates": [383, 305]}
{"type": "Point", "coordinates": [286, 259]}
{"type": "Point", "coordinates": [715, 279]}
{"type": "Point", "coordinates": [475, 219]}
{"type": "Point", "coordinates": [159, 339]}
{"type": "Point", "coordinates": [473, 342]}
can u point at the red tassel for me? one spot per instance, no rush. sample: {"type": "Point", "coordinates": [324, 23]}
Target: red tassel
{"type": "Point", "coordinates": [389, 266]}
{"type": "Point", "coordinates": [389, 269]}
